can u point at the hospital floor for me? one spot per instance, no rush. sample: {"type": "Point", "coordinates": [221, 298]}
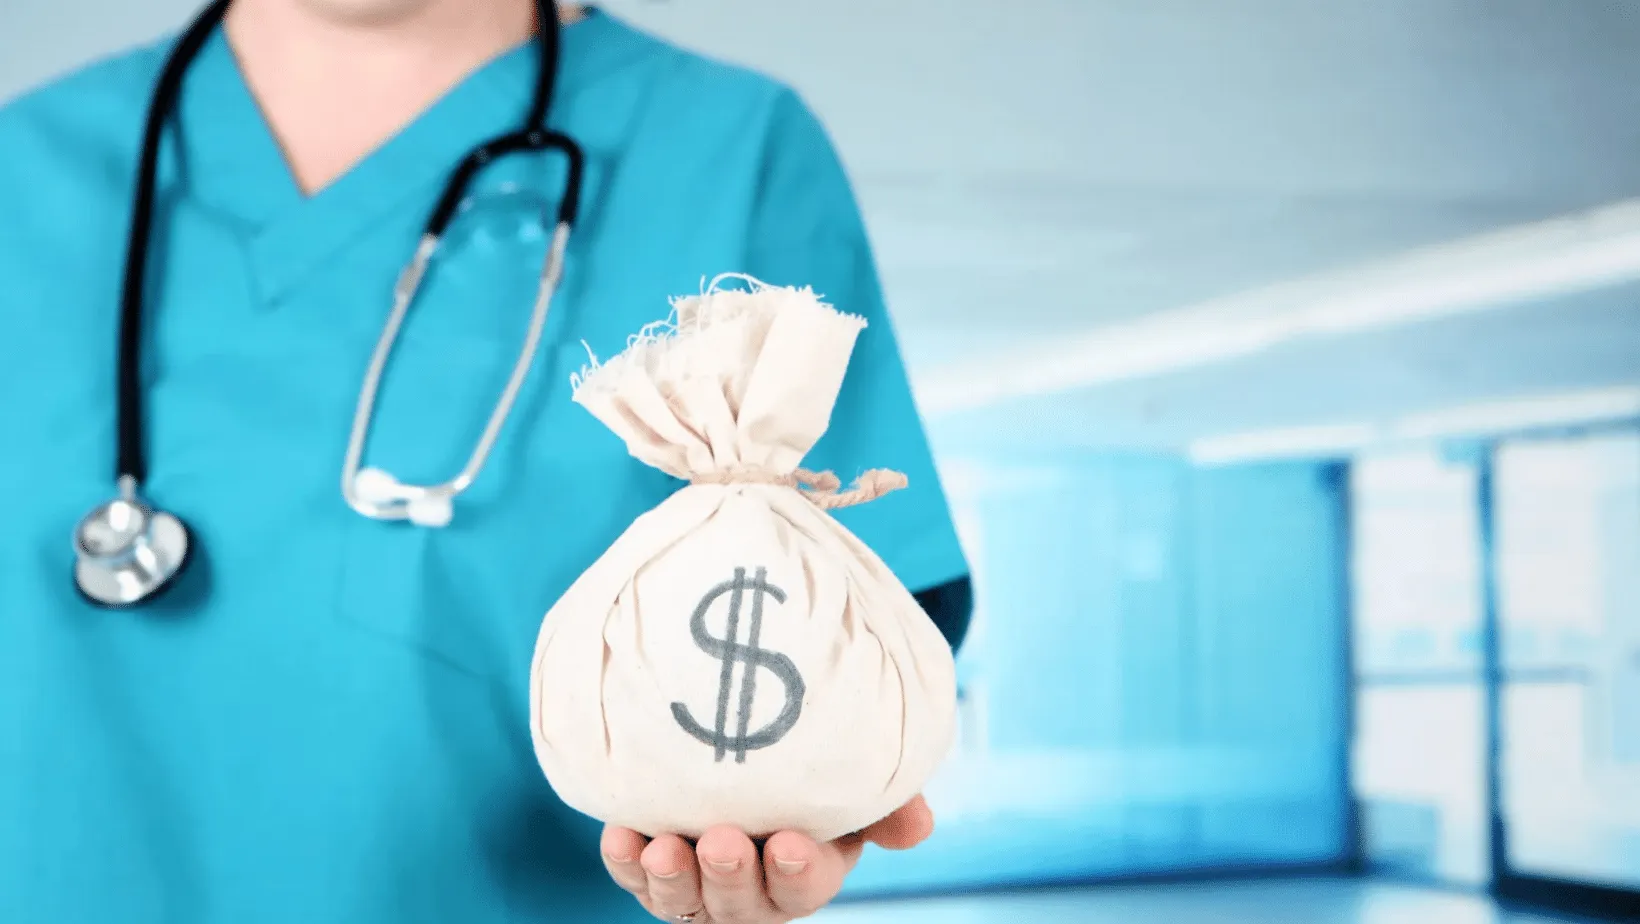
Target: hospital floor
{"type": "Point", "coordinates": [1299, 901]}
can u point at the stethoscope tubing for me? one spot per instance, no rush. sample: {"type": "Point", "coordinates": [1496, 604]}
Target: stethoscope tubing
{"type": "Point", "coordinates": [143, 568]}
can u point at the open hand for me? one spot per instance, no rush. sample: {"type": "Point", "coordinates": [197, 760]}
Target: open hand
{"type": "Point", "coordinates": [722, 880]}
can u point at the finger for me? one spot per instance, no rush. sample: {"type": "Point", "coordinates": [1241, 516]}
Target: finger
{"type": "Point", "coordinates": [732, 878]}
{"type": "Point", "coordinates": [906, 828]}
{"type": "Point", "coordinates": [674, 879]}
{"type": "Point", "coordinates": [802, 876]}
{"type": "Point", "coordinates": [621, 849]}
{"type": "Point", "coordinates": [849, 847]}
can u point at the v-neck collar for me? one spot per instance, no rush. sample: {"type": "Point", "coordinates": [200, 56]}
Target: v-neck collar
{"type": "Point", "coordinates": [235, 168]}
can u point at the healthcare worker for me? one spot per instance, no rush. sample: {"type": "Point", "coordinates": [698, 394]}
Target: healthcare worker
{"type": "Point", "coordinates": [235, 693]}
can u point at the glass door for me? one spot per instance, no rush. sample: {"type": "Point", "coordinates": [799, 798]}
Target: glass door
{"type": "Point", "coordinates": [1564, 524]}
{"type": "Point", "coordinates": [1420, 733]}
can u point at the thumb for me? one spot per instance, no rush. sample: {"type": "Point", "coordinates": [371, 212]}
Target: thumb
{"type": "Point", "coordinates": [909, 826]}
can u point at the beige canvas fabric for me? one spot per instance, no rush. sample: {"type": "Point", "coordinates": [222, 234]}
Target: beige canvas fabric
{"type": "Point", "coordinates": [737, 656]}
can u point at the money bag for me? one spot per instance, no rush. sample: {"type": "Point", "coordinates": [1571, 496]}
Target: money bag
{"type": "Point", "coordinates": [738, 657]}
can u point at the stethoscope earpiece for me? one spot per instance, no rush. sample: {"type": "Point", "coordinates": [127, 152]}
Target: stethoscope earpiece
{"type": "Point", "coordinates": [378, 487]}
{"type": "Point", "coordinates": [377, 494]}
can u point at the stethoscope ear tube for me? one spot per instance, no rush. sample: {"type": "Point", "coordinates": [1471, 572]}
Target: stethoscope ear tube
{"type": "Point", "coordinates": [377, 494]}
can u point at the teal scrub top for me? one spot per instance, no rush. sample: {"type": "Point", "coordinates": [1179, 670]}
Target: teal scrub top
{"type": "Point", "coordinates": [326, 719]}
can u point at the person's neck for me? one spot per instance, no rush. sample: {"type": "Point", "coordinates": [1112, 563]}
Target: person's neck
{"type": "Point", "coordinates": [334, 91]}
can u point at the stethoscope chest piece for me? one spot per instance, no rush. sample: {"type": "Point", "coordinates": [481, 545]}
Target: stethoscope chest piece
{"type": "Point", "coordinates": [127, 552]}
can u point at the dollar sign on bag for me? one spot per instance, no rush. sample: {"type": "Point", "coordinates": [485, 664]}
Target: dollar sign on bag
{"type": "Point", "coordinates": [729, 650]}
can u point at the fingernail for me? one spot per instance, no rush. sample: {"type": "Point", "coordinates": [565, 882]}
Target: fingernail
{"type": "Point", "coordinates": [724, 866]}
{"type": "Point", "coordinates": [660, 875]}
{"type": "Point", "coordinates": [791, 867]}
{"type": "Point", "coordinates": [613, 858]}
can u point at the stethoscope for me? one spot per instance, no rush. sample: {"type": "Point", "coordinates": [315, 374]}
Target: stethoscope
{"type": "Point", "coordinates": [127, 550]}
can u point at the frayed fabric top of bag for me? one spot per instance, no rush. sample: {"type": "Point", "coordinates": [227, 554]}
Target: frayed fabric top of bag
{"type": "Point", "coordinates": [738, 657]}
